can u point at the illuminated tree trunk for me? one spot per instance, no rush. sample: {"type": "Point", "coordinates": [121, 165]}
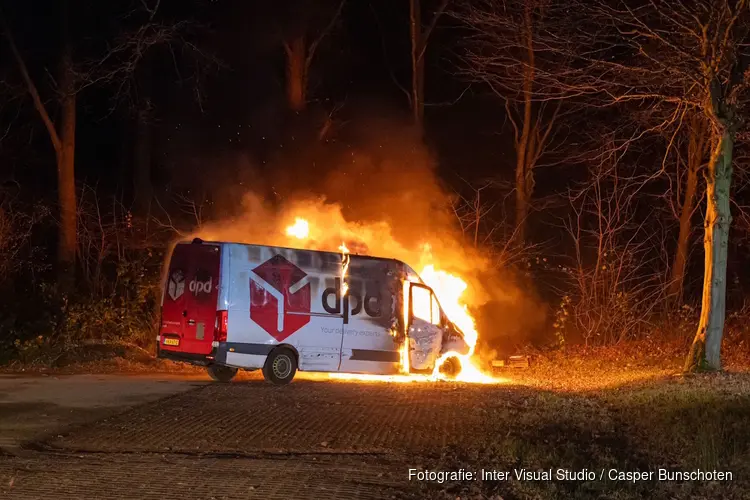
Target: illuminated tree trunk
{"type": "Point", "coordinates": [296, 74]}
{"type": "Point", "coordinates": [66, 184]}
{"type": "Point", "coordinates": [696, 148]}
{"type": "Point", "coordinates": [64, 142]}
{"type": "Point", "coordinates": [300, 51]}
{"type": "Point", "coordinates": [705, 353]}
{"type": "Point", "coordinates": [522, 198]}
{"type": "Point", "coordinates": [525, 144]}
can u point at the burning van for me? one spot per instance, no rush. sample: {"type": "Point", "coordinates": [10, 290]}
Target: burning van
{"type": "Point", "coordinates": [230, 306]}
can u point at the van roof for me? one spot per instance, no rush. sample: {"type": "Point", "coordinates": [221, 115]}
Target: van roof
{"type": "Point", "coordinates": [198, 241]}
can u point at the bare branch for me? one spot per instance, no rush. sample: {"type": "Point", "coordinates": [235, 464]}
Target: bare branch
{"type": "Point", "coordinates": [385, 57]}
{"type": "Point", "coordinates": [314, 45]}
{"type": "Point", "coordinates": [38, 104]}
{"type": "Point", "coordinates": [151, 10]}
{"type": "Point", "coordinates": [426, 33]}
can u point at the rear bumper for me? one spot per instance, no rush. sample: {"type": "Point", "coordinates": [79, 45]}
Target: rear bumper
{"type": "Point", "coordinates": [218, 354]}
{"type": "Point", "coordinates": [186, 357]}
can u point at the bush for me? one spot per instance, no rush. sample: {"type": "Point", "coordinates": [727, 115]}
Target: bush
{"type": "Point", "coordinates": [124, 308]}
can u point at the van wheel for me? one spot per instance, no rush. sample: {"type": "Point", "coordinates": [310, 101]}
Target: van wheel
{"type": "Point", "coordinates": [221, 373]}
{"type": "Point", "coordinates": [451, 367]}
{"type": "Point", "coordinates": [280, 367]}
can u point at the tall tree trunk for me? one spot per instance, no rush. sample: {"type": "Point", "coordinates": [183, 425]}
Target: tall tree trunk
{"type": "Point", "coordinates": [679, 264]}
{"type": "Point", "coordinates": [705, 353]}
{"type": "Point", "coordinates": [522, 202]}
{"type": "Point", "coordinates": [296, 73]}
{"type": "Point", "coordinates": [696, 151]}
{"type": "Point", "coordinates": [144, 191]}
{"type": "Point", "coordinates": [66, 184]}
{"type": "Point", "coordinates": [524, 145]}
{"type": "Point", "coordinates": [417, 63]}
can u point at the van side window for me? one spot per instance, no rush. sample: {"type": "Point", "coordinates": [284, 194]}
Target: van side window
{"type": "Point", "coordinates": [421, 303]}
{"type": "Point", "coordinates": [304, 259]}
{"type": "Point", "coordinates": [253, 254]}
{"type": "Point", "coordinates": [330, 262]}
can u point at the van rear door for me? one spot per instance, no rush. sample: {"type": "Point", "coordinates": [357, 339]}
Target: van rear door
{"type": "Point", "coordinates": [190, 299]}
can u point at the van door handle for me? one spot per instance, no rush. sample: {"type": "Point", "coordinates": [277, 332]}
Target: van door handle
{"type": "Point", "coordinates": [191, 322]}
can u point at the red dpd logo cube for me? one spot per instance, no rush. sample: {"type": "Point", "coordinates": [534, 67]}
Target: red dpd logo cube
{"type": "Point", "coordinates": [279, 297]}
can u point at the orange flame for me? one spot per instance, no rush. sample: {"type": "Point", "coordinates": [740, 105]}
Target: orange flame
{"type": "Point", "coordinates": [449, 290]}
{"type": "Point", "coordinates": [344, 268]}
{"type": "Point", "coordinates": [300, 229]}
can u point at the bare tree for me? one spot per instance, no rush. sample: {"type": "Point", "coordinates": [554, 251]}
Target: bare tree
{"type": "Point", "coordinates": [680, 56]}
{"type": "Point", "coordinates": [511, 51]}
{"type": "Point", "coordinates": [697, 147]}
{"type": "Point", "coordinates": [114, 67]}
{"type": "Point", "coordinates": [300, 51]}
{"type": "Point", "coordinates": [419, 38]}
{"type": "Point", "coordinates": [472, 213]}
{"type": "Point", "coordinates": [63, 141]}
{"type": "Point", "coordinates": [691, 55]}
{"type": "Point", "coordinates": [614, 278]}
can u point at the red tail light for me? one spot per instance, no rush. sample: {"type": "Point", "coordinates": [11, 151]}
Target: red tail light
{"type": "Point", "coordinates": [220, 330]}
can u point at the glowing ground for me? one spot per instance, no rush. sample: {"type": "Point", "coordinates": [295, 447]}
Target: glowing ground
{"type": "Point", "coordinates": [343, 439]}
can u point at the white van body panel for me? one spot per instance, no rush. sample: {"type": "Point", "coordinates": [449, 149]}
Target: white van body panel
{"type": "Point", "coordinates": [289, 296]}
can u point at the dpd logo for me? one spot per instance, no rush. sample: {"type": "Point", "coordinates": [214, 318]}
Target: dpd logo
{"type": "Point", "coordinates": [353, 302]}
{"type": "Point", "coordinates": [279, 297]}
{"type": "Point", "coordinates": [200, 286]}
{"type": "Point", "coordinates": [176, 285]}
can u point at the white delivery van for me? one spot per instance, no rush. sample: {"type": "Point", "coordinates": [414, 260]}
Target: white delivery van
{"type": "Point", "coordinates": [230, 306]}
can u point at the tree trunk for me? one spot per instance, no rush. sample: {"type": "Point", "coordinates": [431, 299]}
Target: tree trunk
{"type": "Point", "coordinates": [683, 239]}
{"type": "Point", "coordinates": [144, 191]}
{"type": "Point", "coordinates": [524, 144]}
{"type": "Point", "coordinates": [696, 152]}
{"type": "Point", "coordinates": [522, 202]}
{"type": "Point", "coordinates": [417, 63]}
{"type": "Point", "coordinates": [296, 74]}
{"type": "Point", "coordinates": [705, 353]}
{"type": "Point", "coordinates": [66, 184]}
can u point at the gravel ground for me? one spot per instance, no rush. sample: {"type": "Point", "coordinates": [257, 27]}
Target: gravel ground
{"type": "Point", "coordinates": [334, 439]}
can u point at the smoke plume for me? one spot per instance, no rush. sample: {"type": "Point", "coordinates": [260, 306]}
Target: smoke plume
{"type": "Point", "coordinates": [378, 192]}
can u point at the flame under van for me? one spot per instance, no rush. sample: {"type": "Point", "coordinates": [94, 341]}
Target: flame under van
{"type": "Point", "coordinates": [230, 307]}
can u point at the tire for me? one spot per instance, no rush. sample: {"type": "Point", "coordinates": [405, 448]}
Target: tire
{"type": "Point", "coordinates": [451, 367]}
{"type": "Point", "coordinates": [221, 373]}
{"type": "Point", "coordinates": [280, 366]}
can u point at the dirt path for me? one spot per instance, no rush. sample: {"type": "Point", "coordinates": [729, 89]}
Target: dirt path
{"type": "Point", "coordinates": [39, 406]}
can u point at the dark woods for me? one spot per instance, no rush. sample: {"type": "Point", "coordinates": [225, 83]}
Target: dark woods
{"type": "Point", "coordinates": [595, 150]}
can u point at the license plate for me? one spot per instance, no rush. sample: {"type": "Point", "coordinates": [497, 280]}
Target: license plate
{"type": "Point", "coordinates": [171, 341]}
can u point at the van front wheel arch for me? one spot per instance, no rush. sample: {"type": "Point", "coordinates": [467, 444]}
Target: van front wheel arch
{"type": "Point", "coordinates": [451, 367]}
{"type": "Point", "coordinates": [280, 366]}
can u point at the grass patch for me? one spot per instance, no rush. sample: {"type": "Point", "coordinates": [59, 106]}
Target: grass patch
{"type": "Point", "coordinates": [678, 424]}
{"type": "Point", "coordinates": [102, 357]}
